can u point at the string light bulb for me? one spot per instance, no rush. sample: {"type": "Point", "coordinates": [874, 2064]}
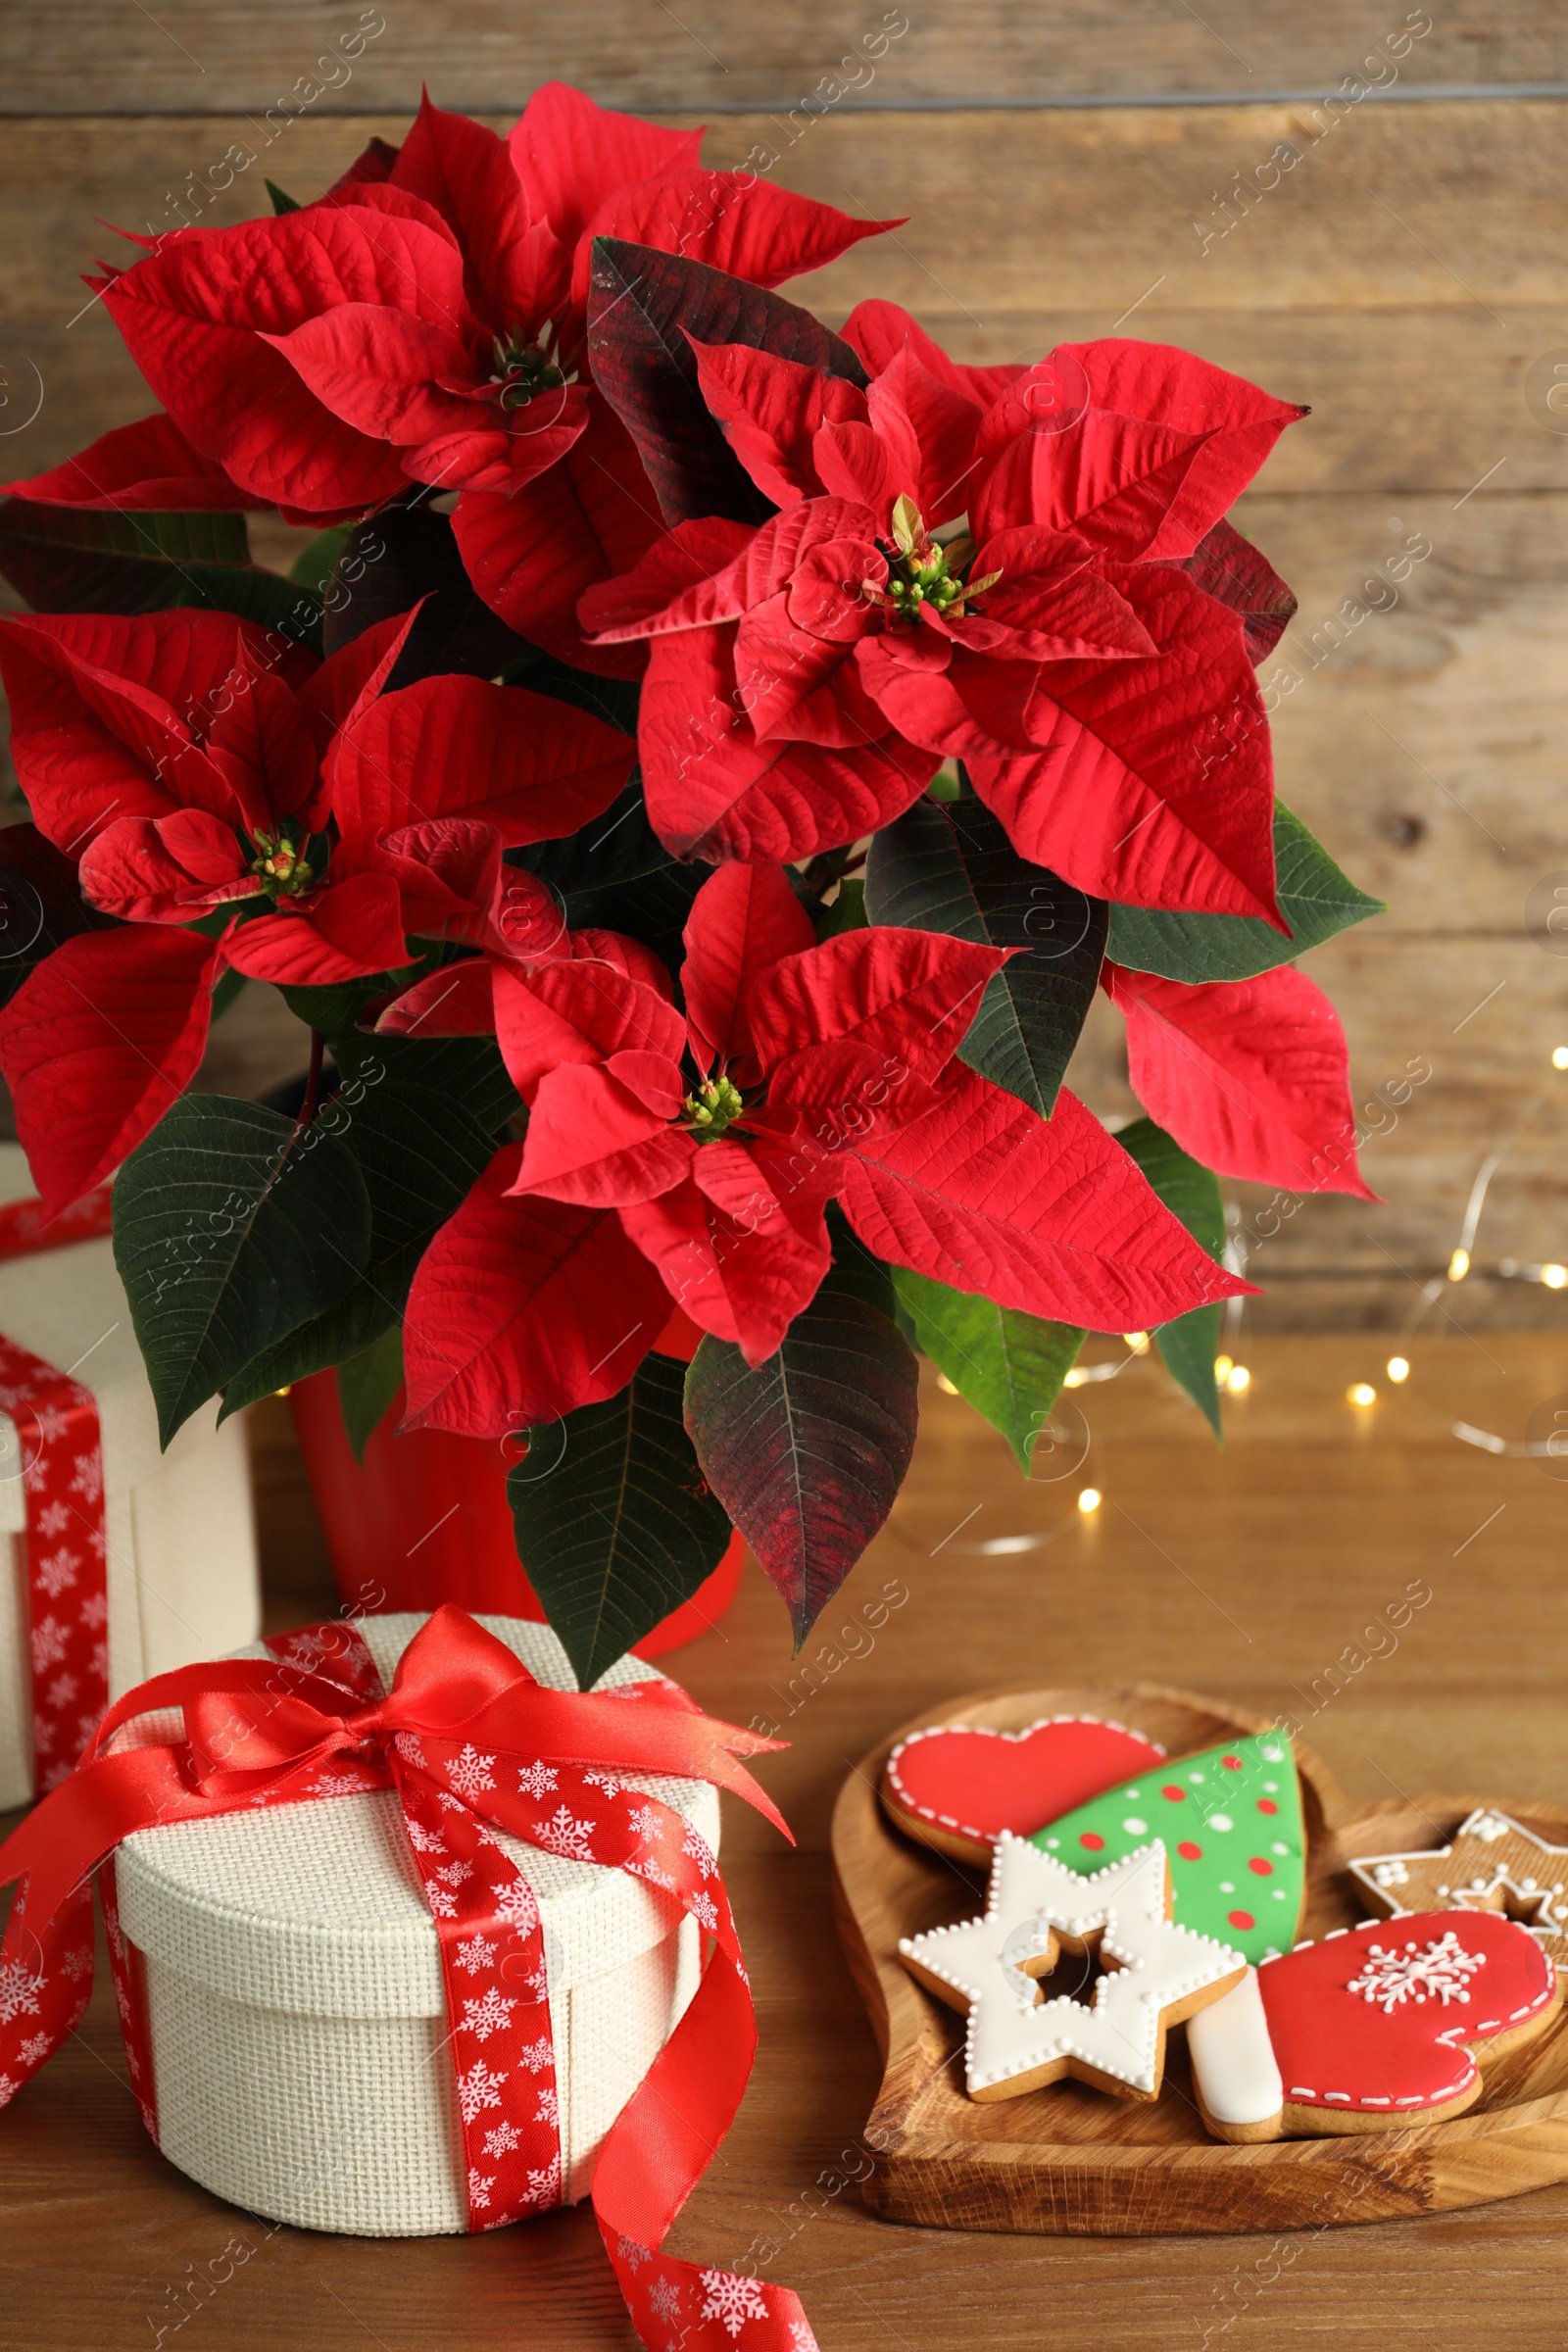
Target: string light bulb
{"type": "Point", "coordinates": [1397, 1369]}
{"type": "Point", "coordinates": [1137, 1340]}
{"type": "Point", "coordinates": [1089, 1500]}
{"type": "Point", "coordinates": [1559, 1057]}
{"type": "Point", "coordinates": [1458, 1266]}
{"type": "Point", "coordinates": [1237, 1378]}
{"type": "Point", "coordinates": [1554, 1277]}
{"type": "Point", "coordinates": [947, 1388]}
{"type": "Point", "coordinates": [1075, 1378]}
{"type": "Point", "coordinates": [1222, 1368]}
{"type": "Point", "coordinates": [1361, 1392]}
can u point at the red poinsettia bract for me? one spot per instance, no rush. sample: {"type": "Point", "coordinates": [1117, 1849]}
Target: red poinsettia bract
{"type": "Point", "coordinates": [1250, 1076]}
{"type": "Point", "coordinates": [691, 1158]}
{"type": "Point", "coordinates": [424, 321]}
{"type": "Point", "coordinates": [807, 679]}
{"type": "Point", "coordinates": [194, 765]}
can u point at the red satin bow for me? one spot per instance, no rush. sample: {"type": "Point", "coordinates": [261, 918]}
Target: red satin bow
{"type": "Point", "coordinates": [262, 1732]}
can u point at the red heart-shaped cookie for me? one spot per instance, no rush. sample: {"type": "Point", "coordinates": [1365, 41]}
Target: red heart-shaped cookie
{"type": "Point", "coordinates": [1375, 2026]}
{"type": "Point", "coordinates": [958, 1786]}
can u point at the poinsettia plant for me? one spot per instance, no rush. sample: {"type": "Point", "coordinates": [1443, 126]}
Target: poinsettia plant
{"type": "Point", "coordinates": [689, 791]}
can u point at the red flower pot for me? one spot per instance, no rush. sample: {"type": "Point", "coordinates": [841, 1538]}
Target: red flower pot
{"type": "Point", "coordinates": [425, 1519]}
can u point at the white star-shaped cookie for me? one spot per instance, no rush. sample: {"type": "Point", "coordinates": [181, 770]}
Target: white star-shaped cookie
{"type": "Point", "coordinates": [1038, 1914]}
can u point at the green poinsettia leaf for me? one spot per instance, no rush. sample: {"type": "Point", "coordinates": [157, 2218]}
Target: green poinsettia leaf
{"type": "Point", "coordinates": [1008, 1365]}
{"type": "Point", "coordinates": [950, 866]}
{"type": "Point", "coordinates": [615, 874]}
{"type": "Point", "coordinates": [615, 1523]}
{"type": "Point", "coordinates": [78, 560]}
{"type": "Point", "coordinates": [232, 1227]}
{"type": "Point", "coordinates": [808, 1452]}
{"type": "Point", "coordinates": [1191, 1192]}
{"type": "Point", "coordinates": [1315, 898]}
{"type": "Point", "coordinates": [419, 1151]}
{"type": "Point", "coordinates": [367, 1384]}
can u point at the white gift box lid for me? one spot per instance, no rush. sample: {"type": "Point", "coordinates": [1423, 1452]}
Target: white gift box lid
{"type": "Point", "coordinates": [180, 1538]}
{"type": "Point", "coordinates": [316, 1909]}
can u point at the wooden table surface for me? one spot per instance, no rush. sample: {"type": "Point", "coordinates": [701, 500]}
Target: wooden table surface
{"type": "Point", "coordinates": [1248, 1574]}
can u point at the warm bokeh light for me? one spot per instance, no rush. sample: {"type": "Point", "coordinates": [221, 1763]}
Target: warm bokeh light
{"type": "Point", "coordinates": [1458, 1266]}
{"type": "Point", "coordinates": [1075, 1378]}
{"type": "Point", "coordinates": [1089, 1500]}
{"type": "Point", "coordinates": [1397, 1369]}
{"type": "Point", "coordinates": [946, 1385]}
{"type": "Point", "coordinates": [1237, 1378]}
{"type": "Point", "coordinates": [1137, 1340]}
{"type": "Point", "coordinates": [1559, 1057]}
{"type": "Point", "coordinates": [1222, 1368]}
{"type": "Point", "coordinates": [1554, 1277]}
{"type": "Point", "coordinates": [1361, 1392]}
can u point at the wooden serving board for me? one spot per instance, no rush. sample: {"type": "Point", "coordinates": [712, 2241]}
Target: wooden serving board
{"type": "Point", "coordinates": [1069, 2160]}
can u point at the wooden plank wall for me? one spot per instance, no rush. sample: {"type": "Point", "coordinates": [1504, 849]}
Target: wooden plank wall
{"type": "Point", "coordinates": [1069, 168]}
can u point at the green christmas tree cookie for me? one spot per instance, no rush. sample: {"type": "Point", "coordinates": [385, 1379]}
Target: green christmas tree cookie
{"type": "Point", "coordinates": [1231, 1822]}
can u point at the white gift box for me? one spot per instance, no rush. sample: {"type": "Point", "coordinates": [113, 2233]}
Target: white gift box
{"type": "Point", "coordinates": [181, 1540]}
{"type": "Point", "coordinates": [294, 1999]}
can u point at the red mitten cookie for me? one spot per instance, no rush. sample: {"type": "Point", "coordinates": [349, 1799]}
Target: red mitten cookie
{"type": "Point", "coordinates": [958, 1787]}
{"type": "Point", "coordinates": [1373, 2029]}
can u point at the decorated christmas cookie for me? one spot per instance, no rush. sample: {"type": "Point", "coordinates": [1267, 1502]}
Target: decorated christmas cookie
{"type": "Point", "coordinates": [958, 1786]}
{"type": "Point", "coordinates": [1373, 2029]}
{"type": "Point", "coordinates": [1045, 1926]}
{"type": "Point", "coordinates": [1491, 1864]}
{"type": "Point", "coordinates": [1231, 1820]}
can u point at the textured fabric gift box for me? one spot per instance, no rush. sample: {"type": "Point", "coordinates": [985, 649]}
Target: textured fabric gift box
{"type": "Point", "coordinates": [180, 1535]}
{"type": "Point", "coordinates": [294, 1998]}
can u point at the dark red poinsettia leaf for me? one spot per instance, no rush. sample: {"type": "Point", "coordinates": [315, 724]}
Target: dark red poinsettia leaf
{"type": "Point", "coordinates": [1231, 568]}
{"type": "Point", "coordinates": [147, 467]}
{"type": "Point", "coordinates": [642, 305]}
{"type": "Point", "coordinates": [97, 1043]}
{"type": "Point", "coordinates": [808, 1452]}
{"type": "Point", "coordinates": [522, 1311]}
{"type": "Point", "coordinates": [1252, 1077]}
{"type": "Point", "coordinates": [981, 1192]}
{"type": "Point", "coordinates": [406, 556]}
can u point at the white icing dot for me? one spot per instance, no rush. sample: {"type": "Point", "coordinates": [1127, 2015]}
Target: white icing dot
{"type": "Point", "coordinates": [1196, 1776]}
{"type": "Point", "coordinates": [1132, 1793]}
{"type": "Point", "coordinates": [1053, 1840]}
{"type": "Point", "coordinates": [1220, 1821]}
{"type": "Point", "coordinates": [1273, 1754]}
{"type": "Point", "coordinates": [1134, 1827]}
{"type": "Point", "coordinates": [1278, 1848]}
{"type": "Point", "coordinates": [1270, 1787]}
{"type": "Point", "coordinates": [1227, 1887]}
{"type": "Point", "coordinates": [1279, 1894]}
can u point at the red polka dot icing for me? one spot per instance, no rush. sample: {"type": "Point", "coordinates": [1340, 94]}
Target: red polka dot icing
{"type": "Point", "coordinates": [1240, 1919]}
{"type": "Point", "coordinates": [1266, 1804]}
{"type": "Point", "coordinates": [1093, 1844]}
{"type": "Point", "coordinates": [1203, 1809]}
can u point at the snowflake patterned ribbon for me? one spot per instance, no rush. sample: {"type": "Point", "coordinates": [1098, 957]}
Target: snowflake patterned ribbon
{"type": "Point", "coordinates": [60, 1461]}
{"type": "Point", "coordinates": [472, 1745]}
